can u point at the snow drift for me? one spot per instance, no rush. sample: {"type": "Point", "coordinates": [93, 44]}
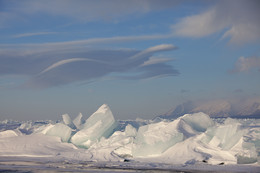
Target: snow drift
{"type": "Point", "coordinates": [189, 139]}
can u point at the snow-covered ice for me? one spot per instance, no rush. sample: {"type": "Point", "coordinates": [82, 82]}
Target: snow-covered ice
{"type": "Point", "coordinates": [192, 139]}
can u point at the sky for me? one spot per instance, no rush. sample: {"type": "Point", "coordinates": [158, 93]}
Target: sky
{"type": "Point", "coordinates": [141, 57]}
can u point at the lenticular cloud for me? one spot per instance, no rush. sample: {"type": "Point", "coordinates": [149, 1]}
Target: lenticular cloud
{"type": "Point", "coordinates": [49, 65]}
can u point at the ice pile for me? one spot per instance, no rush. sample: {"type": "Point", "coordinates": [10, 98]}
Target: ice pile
{"type": "Point", "coordinates": [59, 130]}
{"type": "Point", "coordinates": [154, 139]}
{"type": "Point", "coordinates": [99, 124]}
{"type": "Point", "coordinates": [192, 138]}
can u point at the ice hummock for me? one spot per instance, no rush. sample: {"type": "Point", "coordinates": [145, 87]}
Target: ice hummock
{"type": "Point", "coordinates": [154, 139]}
{"type": "Point", "coordinates": [117, 146]}
{"type": "Point", "coordinates": [99, 124]}
{"type": "Point", "coordinates": [190, 139]}
{"type": "Point", "coordinates": [60, 130]}
{"type": "Point", "coordinates": [198, 121]}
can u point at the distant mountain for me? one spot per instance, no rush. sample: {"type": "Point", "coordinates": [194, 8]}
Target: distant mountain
{"type": "Point", "coordinates": [217, 108]}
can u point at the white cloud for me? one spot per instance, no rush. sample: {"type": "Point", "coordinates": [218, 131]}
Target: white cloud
{"type": "Point", "coordinates": [79, 43]}
{"type": "Point", "coordinates": [158, 48]}
{"type": "Point", "coordinates": [246, 64]}
{"type": "Point", "coordinates": [66, 61]}
{"type": "Point", "coordinates": [156, 60]}
{"type": "Point", "coordinates": [238, 19]}
{"type": "Point", "coordinates": [242, 33]}
{"type": "Point", "coordinates": [199, 25]}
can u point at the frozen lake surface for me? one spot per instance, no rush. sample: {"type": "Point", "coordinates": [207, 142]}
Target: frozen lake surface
{"type": "Point", "coordinates": [190, 143]}
{"type": "Point", "coordinates": [32, 166]}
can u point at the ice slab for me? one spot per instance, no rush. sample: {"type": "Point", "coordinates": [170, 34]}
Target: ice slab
{"type": "Point", "coordinates": [99, 124]}
{"type": "Point", "coordinates": [67, 121]}
{"type": "Point", "coordinates": [60, 130]}
{"type": "Point", "coordinates": [78, 121]}
{"type": "Point", "coordinates": [198, 121]}
{"type": "Point", "coordinates": [191, 139]}
{"type": "Point", "coordinates": [225, 135]}
{"type": "Point", "coordinates": [130, 131]}
{"type": "Point", "coordinates": [119, 144]}
{"type": "Point", "coordinates": [154, 139]}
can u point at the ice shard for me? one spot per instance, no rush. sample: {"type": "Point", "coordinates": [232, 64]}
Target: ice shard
{"type": "Point", "coordinates": [78, 121]}
{"type": "Point", "coordinates": [99, 124]}
{"type": "Point", "coordinates": [61, 130]}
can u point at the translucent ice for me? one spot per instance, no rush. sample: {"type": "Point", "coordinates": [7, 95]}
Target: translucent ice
{"type": "Point", "coordinates": [78, 121]}
{"type": "Point", "coordinates": [187, 140]}
{"type": "Point", "coordinates": [60, 130]}
{"type": "Point", "coordinates": [101, 123]}
{"type": "Point", "coordinates": [154, 139]}
{"type": "Point", "coordinates": [130, 130]}
{"type": "Point", "coordinates": [67, 120]}
{"type": "Point", "coordinates": [198, 121]}
{"type": "Point", "coordinates": [119, 143]}
{"type": "Point", "coordinates": [225, 135]}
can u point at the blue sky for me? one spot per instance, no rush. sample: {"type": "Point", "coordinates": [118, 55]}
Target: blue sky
{"type": "Point", "coordinates": [140, 57]}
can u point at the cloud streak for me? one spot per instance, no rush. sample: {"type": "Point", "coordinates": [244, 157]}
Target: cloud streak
{"type": "Point", "coordinates": [66, 61]}
{"type": "Point", "coordinates": [155, 60]}
{"type": "Point", "coordinates": [36, 47]}
{"type": "Point", "coordinates": [33, 34]}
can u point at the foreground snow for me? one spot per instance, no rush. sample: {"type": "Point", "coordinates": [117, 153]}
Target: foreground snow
{"type": "Point", "coordinates": [193, 139]}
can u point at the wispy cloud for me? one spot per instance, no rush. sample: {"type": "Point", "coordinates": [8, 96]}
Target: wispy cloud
{"type": "Point", "coordinates": [239, 20]}
{"type": "Point", "coordinates": [33, 34]}
{"type": "Point", "coordinates": [156, 60]}
{"type": "Point", "coordinates": [66, 61]}
{"type": "Point", "coordinates": [83, 42]}
{"type": "Point", "coordinates": [245, 64]}
{"type": "Point", "coordinates": [151, 50]}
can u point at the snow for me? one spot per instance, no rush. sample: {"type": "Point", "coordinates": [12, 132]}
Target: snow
{"type": "Point", "coordinates": [35, 145]}
{"type": "Point", "coordinates": [191, 140]}
{"type": "Point", "coordinates": [9, 133]}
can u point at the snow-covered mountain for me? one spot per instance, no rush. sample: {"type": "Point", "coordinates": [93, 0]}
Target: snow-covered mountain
{"type": "Point", "coordinates": [217, 108]}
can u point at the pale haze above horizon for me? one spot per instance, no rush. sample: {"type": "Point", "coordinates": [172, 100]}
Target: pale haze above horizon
{"type": "Point", "coordinates": [141, 57]}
